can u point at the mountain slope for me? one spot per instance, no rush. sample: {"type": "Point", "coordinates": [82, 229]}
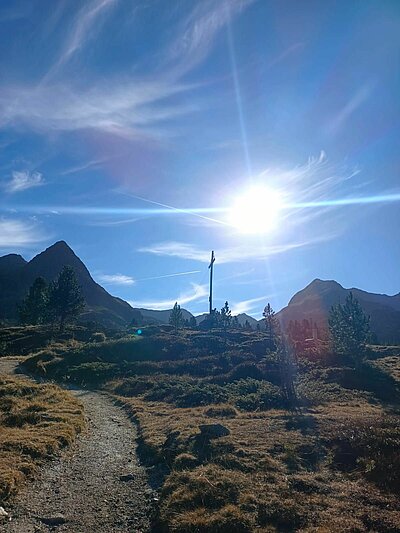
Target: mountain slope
{"type": "Point", "coordinates": [315, 301]}
{"type": "Point", "coordinates": [161, 316]}
{"type": "Point", "coordinates": [100, 305]}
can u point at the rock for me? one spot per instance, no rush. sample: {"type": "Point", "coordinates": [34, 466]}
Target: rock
{"type": "Point", "coordinates": [4, 515]}
{"type": "Point", "coordinates": [213, 431]}
{"type": "Point", "coordinates": [127, 477]}
{"type": "Point", "coordinates": [55, 520]}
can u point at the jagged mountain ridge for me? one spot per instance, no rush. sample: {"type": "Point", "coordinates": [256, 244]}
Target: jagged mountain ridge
{"type": "Point", "coordinates": [17, 275]}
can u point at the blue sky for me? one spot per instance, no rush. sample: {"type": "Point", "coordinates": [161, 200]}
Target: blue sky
{"type": "Point", "coordinates": [130, 129]}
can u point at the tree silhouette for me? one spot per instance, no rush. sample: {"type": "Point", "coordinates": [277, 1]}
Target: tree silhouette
{"type": "Point", "coordinates": [176, 317]}
{"type": "Point", "coordinates": [349, 328]}
{"type": "Point", "coordinates": [33, 309]}
{"type": "Point", "coordinates": [192, 322]}
{"type": "Point", "coordinates": [65, 297]}
{"type": "Point", "coordinates": [225, 318]}
{"type": "Point", "coordinates": [287, 369]}
{"type": "Point", "coordinates": [271, 326]}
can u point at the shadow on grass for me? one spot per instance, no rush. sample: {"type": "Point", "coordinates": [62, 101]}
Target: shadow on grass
{"type": "Point", "coordinates": [370, 378]}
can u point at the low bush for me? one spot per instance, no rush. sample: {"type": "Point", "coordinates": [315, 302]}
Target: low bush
{"type": "Point", "coordinates": [372, 446]}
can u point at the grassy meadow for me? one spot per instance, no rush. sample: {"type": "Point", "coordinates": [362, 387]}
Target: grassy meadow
{"type": "Point", "coordinates": [223, 446]}
{"type": "Point", "coordinates": [36, 422]}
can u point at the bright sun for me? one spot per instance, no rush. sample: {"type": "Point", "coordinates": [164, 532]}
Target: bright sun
{"type": "Point", "coordinates": [256, 210]}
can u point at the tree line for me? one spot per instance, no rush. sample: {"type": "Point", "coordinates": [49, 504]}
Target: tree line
{"type": "Point", "coordinates": [59, 301]}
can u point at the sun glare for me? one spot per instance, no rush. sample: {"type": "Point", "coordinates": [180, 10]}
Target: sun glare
{"type": "Point", "coordinates": [256, 210]}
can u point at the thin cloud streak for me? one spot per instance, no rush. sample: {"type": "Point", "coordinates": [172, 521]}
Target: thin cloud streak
{"type": "Point", "coordinates": [197, 33]}
{"type": "Point", "coordinates": [225, 255]}
{"type": "Point", "coordinates": [171, 275]}
{"type": "Point", "coordinates": [81, 31]}
{"type": "Point", "coordinates": [116, 279]}
{"type": "Point", "coordinates": [247, 305]}
{"type": "Point", "coordinates": [197, 292]}
{"type": "Point", "coordinates": [122, 279]}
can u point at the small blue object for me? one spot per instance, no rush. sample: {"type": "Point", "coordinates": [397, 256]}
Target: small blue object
{"type": "Point", "coordinates": [139, 332]}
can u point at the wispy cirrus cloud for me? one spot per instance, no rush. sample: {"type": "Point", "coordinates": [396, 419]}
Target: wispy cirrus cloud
{"type": "Point", "coordinates": [86, 24]}
{"type": "Point", "coordinates": [22, 180]}
{"type": "Point", "coordinates": [196, 293]}
{"type": "Point", "coordinates": [246, 306]}
{"type": "Point", "coordinates": [116, 279]}
{"type": "Point", "coordinates": [123, 105]}
{"type": "Point", "coordinates": [131, 107]}
{"type": "Point", "coordinates": [235, 254]}
{"type": "Point", "coordinates": [358, 98]}
{"type": "Point", "coordinates": [15, 233]}
{"type": "Point", "coordinates": [197, 32]}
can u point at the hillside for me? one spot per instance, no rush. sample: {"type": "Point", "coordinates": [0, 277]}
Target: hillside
{"type": "Point", "coordinates": [161, 316]}
{"type": "Point", "coordinates": [223, 444]}
{"type": "Point", "coordinates": [314, 302]}
{"type": "Point", "coordinates": [17, 275]}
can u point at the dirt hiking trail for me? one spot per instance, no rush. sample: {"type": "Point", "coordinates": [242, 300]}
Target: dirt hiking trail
{"type": "Point", "coordinates": [97, 486]}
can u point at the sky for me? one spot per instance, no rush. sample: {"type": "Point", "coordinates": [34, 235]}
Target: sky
{"type": "Point", "coordinates": [137, 130]}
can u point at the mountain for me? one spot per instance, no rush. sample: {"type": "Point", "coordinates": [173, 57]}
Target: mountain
{"type": "Point", "coordinates": [157, 317]}
{"type": "Point", "coordinates": [242, 317]}
{"type": "Point", "coordinates": [314, 302]}
{"type": "Point", "coordinates": [17, 275]}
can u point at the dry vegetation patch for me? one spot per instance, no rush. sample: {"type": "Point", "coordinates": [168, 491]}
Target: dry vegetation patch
{"type": "Point", "coordinates": [275, 471]}
{"type": "Point", "coordinates": [36, 421]}
{"type": "Point", "coordinates": [227, 453]}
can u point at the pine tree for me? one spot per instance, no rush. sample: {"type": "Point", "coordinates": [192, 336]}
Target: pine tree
{"type": "Point", "coordinates": [271, 326]}
{"type": "Point", "coordinates": [192, 322]}
{"type": "Point", "coordinates": [65, 297]}
{"type": "Point", "coordinates": [176, 318]}
{"type": "Point", "coordinates": [349, 328]}
{"type": "Point", "coordinates": [33, 309]}
{"type": "Point", "coordinates": [226, 316]}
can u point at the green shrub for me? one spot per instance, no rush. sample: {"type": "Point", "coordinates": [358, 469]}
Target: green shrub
{"type": "Point", "coordinates": [251, 395]}
{"type": "Point", "coordinates": [98, 337]}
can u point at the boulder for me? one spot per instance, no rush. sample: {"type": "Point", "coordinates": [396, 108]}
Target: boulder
{"type": "Point", "coordinates": [213, 431]}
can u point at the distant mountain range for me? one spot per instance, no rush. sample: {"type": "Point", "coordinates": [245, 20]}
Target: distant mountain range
{"type": "Point", "coordinates": [312, 303]}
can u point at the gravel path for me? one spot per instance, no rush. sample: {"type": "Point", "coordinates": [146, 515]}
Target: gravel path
{"type": "Point", "coordinates": [97, 486]}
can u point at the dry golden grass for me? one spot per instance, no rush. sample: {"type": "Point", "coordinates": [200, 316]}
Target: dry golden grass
{"type": "Point", "coordinates": [36, 421]}
{"type": "Point", "coordinates": [274, 472]}
{"type": "Point", "coordinates": [391, 365]}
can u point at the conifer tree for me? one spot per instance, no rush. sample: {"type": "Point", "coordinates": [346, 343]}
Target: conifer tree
{"type": "Point", "coordinates": [33, 309]}
{"type": "Point", "coordinates": [176, 318]}
{"type": "Point", "coordinates": [349, 327]}
{"type": "Point", "coordinates": [271, 326]}
{"type": "Point", "coordinates": [192, 322]}
{"type": "Point", "coordinates": [226, 316]}
{"type": "Point", "coordinates": [65, 297]}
